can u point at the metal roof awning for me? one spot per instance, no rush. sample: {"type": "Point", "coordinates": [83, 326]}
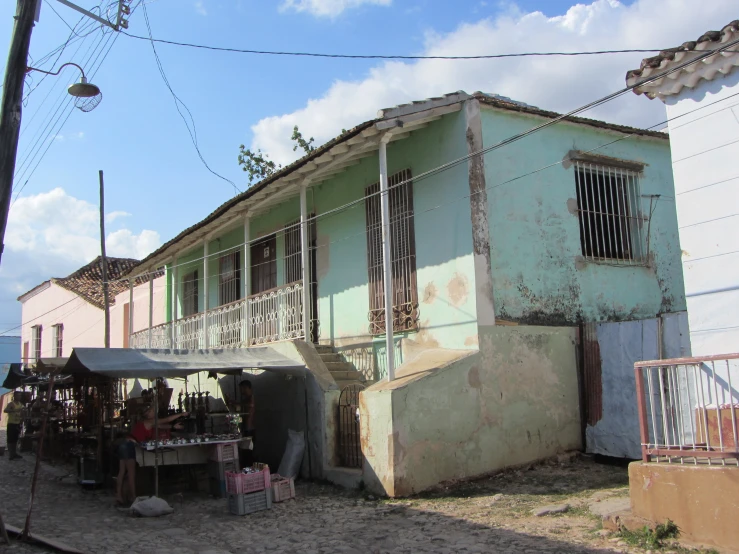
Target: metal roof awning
{"type": "Point", "coordinates": [130, 363]}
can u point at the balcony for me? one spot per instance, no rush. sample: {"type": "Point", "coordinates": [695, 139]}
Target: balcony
{"type": "Point", "coordinates": [688, 409]}
{"type": "Point", "coordinates": [270, 316]}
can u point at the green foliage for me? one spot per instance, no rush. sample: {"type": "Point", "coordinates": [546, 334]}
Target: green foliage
{"type": "Point", "coordinates": [652, 540]}
{"type": "Point", "coordinates": [259, 166]}
{"type": "Point", "coordinates": [300, 142]}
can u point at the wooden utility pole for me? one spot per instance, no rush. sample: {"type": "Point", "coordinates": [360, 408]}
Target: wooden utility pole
{"type": "Point", "coordinates": [12, 104]}
{"type": "Point", "coordinates": [104, 262]}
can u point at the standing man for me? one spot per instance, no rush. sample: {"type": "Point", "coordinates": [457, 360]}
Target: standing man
{"type": "Point", "coordinates": [246, 401]}
{"type": "Point", "coordinates": [14, 409]}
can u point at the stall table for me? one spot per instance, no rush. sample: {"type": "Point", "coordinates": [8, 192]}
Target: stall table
{"type": "Point", "coordinates": [180, 454]}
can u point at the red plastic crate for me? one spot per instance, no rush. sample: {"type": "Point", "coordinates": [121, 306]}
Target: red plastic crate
{"type": "Point", "coordinates": [245, 483]}
{"type": "Point", "coordinates": [283, 489]}
{"type": "Point", "coordinates": [224, 452]}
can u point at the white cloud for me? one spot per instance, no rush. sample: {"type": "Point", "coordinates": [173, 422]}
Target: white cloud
{"type": "Point", "coordinates": [560, 84]}
{"type": "Point", "coordinates": [112, 216]}
{"type": "Point", "coordinates": [200, 7]}
{"type": "Point", "coordinates": [328, 8]}
{"type": "Point", "coordinates": [125, 244]}
{"type": "Point", "coordinates": [51, 234]}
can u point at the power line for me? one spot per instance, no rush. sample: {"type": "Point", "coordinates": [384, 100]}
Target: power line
{"type": "Point", "coordinates": [177, 101]}
{"type": "Point", "coordinates": [388, 57]}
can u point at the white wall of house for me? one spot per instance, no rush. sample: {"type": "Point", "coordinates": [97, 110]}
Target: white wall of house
{"type": "Point", "coordinates": [705, 150]}
{"type": "Point", "coordinates": [119, 316]}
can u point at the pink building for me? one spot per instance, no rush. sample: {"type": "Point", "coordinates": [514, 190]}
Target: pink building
{"type": "Point", "coordinates": [63, 313]}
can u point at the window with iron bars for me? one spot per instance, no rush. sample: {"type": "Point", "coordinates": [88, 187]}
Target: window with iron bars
{"type": "Point", "coordinates": [190, 294]}
{"type": "Point", "coordinates": [293, 252]}
{"type": "Point", "coordinates": [229, 278]}
{"type": "Point", "coordinates": [58, 336]}
{"type": "Point", "coordinates": [36, 331]}
{"type": "Point", "coordinates": [403, 262]}
{"type": "Point", "coordinates": [612, 229]}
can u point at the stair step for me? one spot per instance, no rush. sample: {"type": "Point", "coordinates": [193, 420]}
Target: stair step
{"type": "Point", "coordinates": [331, 357]}
{"type": "Point", "coordinates": [347, 375]}
{"type": "Point", "coordinates": [339, 366]}
{"type": "Point", "coordinates": [324, 349]}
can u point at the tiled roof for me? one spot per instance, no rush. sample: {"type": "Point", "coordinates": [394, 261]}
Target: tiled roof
{"type": "Point", "coordinates": [727, 61]}
{"type": "Point", "coordinates": [87, 281]}
{"type": "Point", "coordinates": [492, 100]}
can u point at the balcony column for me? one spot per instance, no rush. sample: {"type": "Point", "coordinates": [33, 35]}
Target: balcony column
{"type": "Point", "coordinates": [206, 338]}
{"type": "Point", "coordinates": [175, 304]}
{"type": "Point", "coordinates": [247, 279]}
{"type": "Point", "coordinates": [130, 312]}
{"type": "Point", "coordinates": [151, 307]}
{"type": "Point", "coordinates": [305, 262]}
{"type": "Point", "coordinates": [387, 258]}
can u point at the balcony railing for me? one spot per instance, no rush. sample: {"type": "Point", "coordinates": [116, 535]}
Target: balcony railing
{"type": "Point", "coordinates": [689, 409]}
{"type": "Point", "coordinates": [270, 316]}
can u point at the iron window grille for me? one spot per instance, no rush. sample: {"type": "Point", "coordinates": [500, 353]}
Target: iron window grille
{"type": "Point", "coordinates": [229, 278]}
{"type": "Point", "coordinates": [612, 226]}
{"type": "Point", "coordinates": [190, 294]}
{"type": "Point", "coordinates": [58, 337]}
{"type": "Point", "coordinates": [293, 252]}
{"type": "Point", "coordinates": [403, 262]}
{"type": "Point", "coordinates": [36, 332]}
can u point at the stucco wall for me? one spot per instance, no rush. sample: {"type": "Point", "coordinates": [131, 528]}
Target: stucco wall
{"type": "Point", "coordinates": [704, 154]}
{"type": "Point", "coordinates": [444, 265]}
{"type": "Point", "coordinates": [513, 402]}
{"type": "Point", "coordinates": [118, 328]}
{"type": "Point", "coordinates": [535, 235]}
{"type": "Point", "coordinates": [83, 322]}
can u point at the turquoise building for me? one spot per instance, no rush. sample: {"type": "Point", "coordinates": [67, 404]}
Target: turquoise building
{"type": "Point", "coordinates": [504, 243]}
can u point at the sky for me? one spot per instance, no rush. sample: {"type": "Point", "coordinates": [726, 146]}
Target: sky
{"type": "Point", "coordinates": [155, 182]}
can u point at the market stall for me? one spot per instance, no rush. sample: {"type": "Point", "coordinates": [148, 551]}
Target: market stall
{"type": "Point", "coordinates": [210, 438]}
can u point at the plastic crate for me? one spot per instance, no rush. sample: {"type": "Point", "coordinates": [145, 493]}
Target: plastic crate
{"type": "Point", "coordinates": [217, 488]}
{"type": "Point", "coordinates": [218, 470]}
{"type": "Point", "coordinates": [245, 483]}
{"type": "Point", "coordinates": [283, 489]}
{"type": "Point", "coordinates": [224, 452]}
{"type": "Point", "coordinates": [242, 504]}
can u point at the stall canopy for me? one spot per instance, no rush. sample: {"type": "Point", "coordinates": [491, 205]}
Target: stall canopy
{"type": "Point", "coordinates": [132, 363]}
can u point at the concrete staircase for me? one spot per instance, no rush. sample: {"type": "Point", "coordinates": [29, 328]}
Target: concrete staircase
{"type": "Point", "coordinates": [342, 371]}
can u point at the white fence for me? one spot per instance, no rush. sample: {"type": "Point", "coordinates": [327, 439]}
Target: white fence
{"type": "Point", "coordinates": [270, 316]}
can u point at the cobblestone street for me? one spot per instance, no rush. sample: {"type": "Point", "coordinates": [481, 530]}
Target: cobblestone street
{"type": "Point", "coordinates": [491, 515]}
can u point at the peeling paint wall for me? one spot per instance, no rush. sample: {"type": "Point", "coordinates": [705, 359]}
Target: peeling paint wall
{"type": "Point", "coordinates": [444, 261]}
{"type": "Point", "coordinates": [539, 277]}
{"type": "Point", "coordinates": [513, 402]}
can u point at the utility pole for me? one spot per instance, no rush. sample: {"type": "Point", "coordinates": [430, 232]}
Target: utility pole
{"type": "Point", "coordinates": [12, 104]}
{"type": "Point", "coordinates": [104, 262]}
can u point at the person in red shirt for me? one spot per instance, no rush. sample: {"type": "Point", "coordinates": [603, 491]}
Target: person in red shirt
{"type": "Point", "coordinates": [143, 431]}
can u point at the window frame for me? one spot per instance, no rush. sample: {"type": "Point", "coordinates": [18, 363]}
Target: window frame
{"type": "Point", "coordinates": [57, 331]}
{"type": "Point", "coordinates": [190, 298]}
{"type": "Point", "coordinates": [36, 340]}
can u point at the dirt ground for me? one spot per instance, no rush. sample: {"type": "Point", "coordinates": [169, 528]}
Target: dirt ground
{"type": "Point", "coordinates": [495, 514]}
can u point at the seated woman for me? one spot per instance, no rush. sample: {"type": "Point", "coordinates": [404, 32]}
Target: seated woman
{"type": "Point", "coordinates": [143, 431]}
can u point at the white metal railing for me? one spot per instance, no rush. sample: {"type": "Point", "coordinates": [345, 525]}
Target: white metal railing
{"type": "Point", "coordinates": [270, 316]}
{"type": "Point", "coordinates": [689, 409]}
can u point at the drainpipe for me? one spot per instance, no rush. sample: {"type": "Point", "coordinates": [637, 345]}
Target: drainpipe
{"type": "Point", "coordinates": [205, 294]}
{"type": "Point", "coordinates": [305, 270]}
{"type": "Point", "coordinates": [130, 312]}
{"type": "Point", "coordinates": [151, 307]}
{"type": "Point", "coordinates": [247, 279]}
{"type": "Point", "coordinates": [387, 258]}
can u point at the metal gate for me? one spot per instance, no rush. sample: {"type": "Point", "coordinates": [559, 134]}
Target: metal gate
{"type": "Point", "coordinates": [350, 448]}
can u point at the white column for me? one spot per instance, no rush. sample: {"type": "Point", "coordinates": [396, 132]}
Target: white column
{"type": "Point", "coordinates": [247, 279]}
{"type": "Point", "coordinates": [130, 312]}
{"type": "Point", "coordinates": [151, 307]}
{"type": "Point", "coordinates": [387, 259]}
{"type": "Point", "coordinates": [205, 293]}
{"type": "Point", "coordinates": [175, 304]}
{"type": "Point", "coordinates": [304, 262]}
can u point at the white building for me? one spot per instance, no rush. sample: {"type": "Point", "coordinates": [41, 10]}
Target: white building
{"type": "Point", "coordinates": [702, 101]}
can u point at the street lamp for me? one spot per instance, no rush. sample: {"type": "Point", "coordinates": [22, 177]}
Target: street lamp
{"type": "Point", "coordinates": [87, 96]}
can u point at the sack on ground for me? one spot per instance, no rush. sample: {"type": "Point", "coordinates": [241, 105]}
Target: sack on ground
{"type": "Point", "coordinates": [151, 506]}
{"type": "Point", "coordinates": [293, 456]}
